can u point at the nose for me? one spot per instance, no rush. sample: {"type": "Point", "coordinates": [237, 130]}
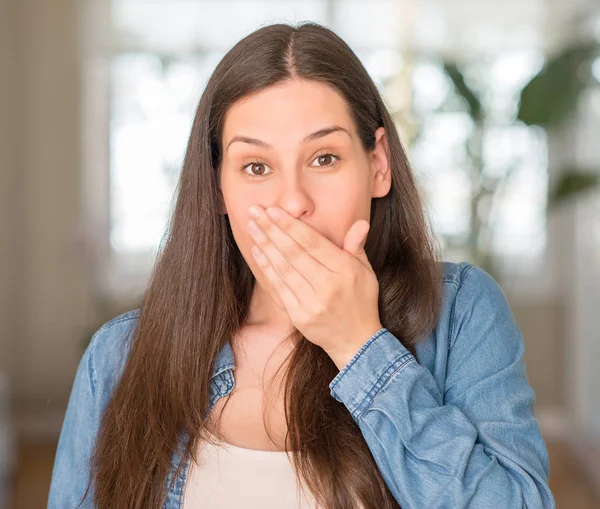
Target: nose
{"type": "Point", "coordinates": [293, 197]}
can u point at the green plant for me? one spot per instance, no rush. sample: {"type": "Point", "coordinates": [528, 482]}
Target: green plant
{"type": "Point", "coordinates": [550, 99]}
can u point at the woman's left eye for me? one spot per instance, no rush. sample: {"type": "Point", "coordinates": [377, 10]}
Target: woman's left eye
{"type": "Point", "coordinates": [327, 157]}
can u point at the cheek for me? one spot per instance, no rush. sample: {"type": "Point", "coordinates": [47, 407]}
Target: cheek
{"type": "Point", "coordinates": [237, 214]}
{"type": "Point", "coordinates": [351, 199]}
{"type": "Point", "coordinates": [239, 226]}
{"type": "Point", "coordinates": [236, 202]}
{"type": "Point", "coordinates": [342, 209]}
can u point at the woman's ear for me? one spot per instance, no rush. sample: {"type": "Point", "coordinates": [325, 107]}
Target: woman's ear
{"type": "Point", "coordinates": [380, 165]}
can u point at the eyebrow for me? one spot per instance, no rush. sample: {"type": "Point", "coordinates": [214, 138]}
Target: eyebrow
{"type": "Point", "coordinates": [311, 137]}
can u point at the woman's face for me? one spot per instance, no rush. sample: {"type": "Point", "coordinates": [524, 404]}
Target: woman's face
{"type": "Point", "coordinates": [270, 159]}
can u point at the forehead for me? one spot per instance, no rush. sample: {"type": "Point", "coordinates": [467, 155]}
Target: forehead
{"type": "Point", "coordinates": [292, 109]}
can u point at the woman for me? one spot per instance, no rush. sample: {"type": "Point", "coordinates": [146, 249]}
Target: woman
{"type": "Point", "coordinates": [367, 372]}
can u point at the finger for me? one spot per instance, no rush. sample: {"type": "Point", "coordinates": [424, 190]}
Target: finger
{"type": "Point", "coordinates": [310, 240]}
{"type": "Point", "coordinates": [355, 239]}
{"type": "Point", "coordinates": [285, 294]}
{"type": "Point", "coordinates": [295, 255]}
{"type": "Point", "coordinates": [295, 280]}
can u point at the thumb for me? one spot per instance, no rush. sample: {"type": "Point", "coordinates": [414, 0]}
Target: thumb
{"type": "Point", "coordinates": [355, 239]}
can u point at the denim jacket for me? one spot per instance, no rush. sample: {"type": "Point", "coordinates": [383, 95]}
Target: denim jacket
{"type": "Point", "coordinates": [451, 427]}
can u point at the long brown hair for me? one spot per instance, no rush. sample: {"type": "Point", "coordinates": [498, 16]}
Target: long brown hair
{"type": "Point", "coordinates": [200, 288]}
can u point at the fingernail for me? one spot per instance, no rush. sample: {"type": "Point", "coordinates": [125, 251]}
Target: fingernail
{"type": "Point", "coordinates": [253, 227]}
{"type": "Point", "coordinates": [253, 211]}
{"type": "Point", "coordinates": [273, 213]}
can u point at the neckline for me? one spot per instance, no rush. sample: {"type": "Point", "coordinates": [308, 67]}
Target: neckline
{"type": "Point", "coordinates": [245, 450]}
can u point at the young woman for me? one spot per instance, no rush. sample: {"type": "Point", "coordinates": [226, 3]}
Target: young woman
{"type": "Point", "coordinates": [341, 366]}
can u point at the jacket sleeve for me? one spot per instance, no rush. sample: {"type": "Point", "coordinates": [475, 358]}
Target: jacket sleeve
{"type": "Point", "coordinates": [70, 474]}
{"type": "Point", "coordinates": [476, 444]}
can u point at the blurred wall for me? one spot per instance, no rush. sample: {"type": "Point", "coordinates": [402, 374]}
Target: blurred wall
{"type": "Point", "coordinates": [542, 325]}
{"type": "Point", "coordinates": [8, 172]}
{"type": "Point", "coordinates": [43, 296]}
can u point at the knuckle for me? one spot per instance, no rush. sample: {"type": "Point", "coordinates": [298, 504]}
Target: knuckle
{"type": "Point", "coordinates": [310, 242]}
{"type": "Point", "coordinates": [286, 269]}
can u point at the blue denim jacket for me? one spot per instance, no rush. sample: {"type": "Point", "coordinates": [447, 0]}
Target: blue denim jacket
{"type": "Point", "coordinates": [450, 428]}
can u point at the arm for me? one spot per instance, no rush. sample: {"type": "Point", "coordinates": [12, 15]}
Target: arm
{"type": "Point", "coordinates": [475, 445]}
{"type": "Point", "coordinates": [70, 474]}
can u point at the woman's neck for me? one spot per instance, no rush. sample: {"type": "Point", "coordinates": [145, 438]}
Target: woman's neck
{"type": "Point", "coordinates": [265, 313]}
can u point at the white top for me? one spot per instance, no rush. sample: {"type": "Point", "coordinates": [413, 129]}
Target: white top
{"type": "Point", "coordinates": [230, 476]}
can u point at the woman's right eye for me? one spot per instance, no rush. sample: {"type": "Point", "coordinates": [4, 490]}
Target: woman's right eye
{"type": "Point", "coordinates": [253, 166]}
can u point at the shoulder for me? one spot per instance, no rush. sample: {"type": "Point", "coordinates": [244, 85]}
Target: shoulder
{"type": "Point", "coordinates": [462, 281]}
{"type": "Point", "coordinates": [471, 296]}
{"type": "Point", "coordinates": [108, 350]}
{"type": "Point", "coordinates": [457, 273]}
{"type": "Point", "coordinates": [475, 331]}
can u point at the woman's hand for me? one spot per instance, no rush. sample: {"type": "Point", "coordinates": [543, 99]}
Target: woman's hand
{"type": "Point", "coordinates": [330, 294]}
